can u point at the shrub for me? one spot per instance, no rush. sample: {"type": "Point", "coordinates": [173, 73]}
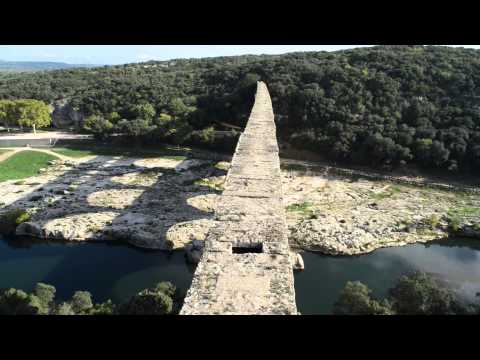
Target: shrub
{"type": "Point", "coordinates": [106, 308]}
{"type": "Point", "coordinates": [355, 299]}
{"type": "Point", "coordinates": [46, 295]}
{"type": "Point", "coordinates": [17, 302]}
{"type": "Point", "coordinates": [414, 294]}
{"type": "Point", "coordinates": [420, 294]}
{"type": "Point", "coordinates": [454, 223]}
{"type": "Point", "coordinates": [161, 299]}
{"type": "Point", "coordinates": [432, 221]}
{"type": "Point", "coordinates": [81, 302]}
{"type": "Point", "coordinates": [154, 301]}
{"type": "Point", "coordinates": [64, 309]}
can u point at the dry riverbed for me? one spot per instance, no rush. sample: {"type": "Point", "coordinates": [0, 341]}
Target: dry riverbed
{"type": "Point", "coordinates": [164, 203]}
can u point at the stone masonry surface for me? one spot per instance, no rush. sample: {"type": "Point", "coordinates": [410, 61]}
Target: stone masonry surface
{"type": "Point", "coordinates": [245, 268]}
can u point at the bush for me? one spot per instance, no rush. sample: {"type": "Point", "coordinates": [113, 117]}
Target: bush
{"type": "Point", "coordinates": [420, 294]}
{"type": "Point", "coordinates": [154, 301]}
{"type": "Point", "coordinates": [81, 302]}
{"type": "Point", "coordinates": [454, 223]}
{"type": "Point", "coordinates": [17, 302]}
{"type": "Point", "coordinates": [414, 294]}
{"type": "Point", "coordinates": [433, 221]}
{"type": "Point", "coordinates": [64, 309]}
{"type": "Point", "coordinates": [11, 219]}
{"type": "Point", "coordinates": [159, 300]}
{"type": "Point", "coordinates": [106, 308]}
{"type": "Point", "coordinates": [355, 299]}
{"type": "Point", "coordinates": [46, 295]}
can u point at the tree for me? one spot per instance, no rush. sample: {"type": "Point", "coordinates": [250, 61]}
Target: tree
{"type": "Point", "coordinates": [178, 108]}
{"type": "Point", "coordinates": [105, 308]}
{"type": "Point", "coordinates": [208, 135]}
{"type": "Point", "coordinates": [420, 294]}
{"type": "Point", "coordinates": [98, 126]}
{"type": "Point", "coordinates": [81, 302]}
{"type": "Point", "coordinates": [161, 299]}
{"type": "Point", "coordinates": [328, 103]}
{"type": "Point", "coordinates": [7, 113]}
{"type": "Point", "coordinates": [416, 293]}
{"type": "Point", "coordinates": [17, 302]}
{"type": "Point", "coordinates": [439, 154]}
{"type": "Point", "coordinates": [135, 128]}
{"type": "Point", "coordinates": [113, 117]}
{"type": "Point", "coordinates": [46, 295]}
{"type": "Point", "coordinates": [173, 129]}
{"type": "Point", "coordinates": [144, 111]}
{"type": "Point", "coordinates": [355, 299]}
{"type": "Point", "coordinates": [64, 308]}
{"type": "Point", "coordinates": [33, 113]}
{"type": "Point", "coordinates": [153, 301]}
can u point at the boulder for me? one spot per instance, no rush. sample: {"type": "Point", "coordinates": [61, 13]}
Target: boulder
{"type": "Point", "coordinates": [297, 261]}
{"type": "Point", "coordinates": [194, 251]}
{"type": "Point", "coordinates": [65, 116]}
{"type": "Point", "coordinates": [29, 229]}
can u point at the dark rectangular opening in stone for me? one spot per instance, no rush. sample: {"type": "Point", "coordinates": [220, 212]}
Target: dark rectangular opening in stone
{"type": "Point", "coordinates": [253, 248]}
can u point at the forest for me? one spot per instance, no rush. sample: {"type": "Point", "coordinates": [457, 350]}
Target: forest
{"type": "Point", "coordinates": [383, 106]}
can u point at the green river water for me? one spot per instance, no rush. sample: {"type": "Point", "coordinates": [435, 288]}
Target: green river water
{"type": "Point", "coordinates": [119, 271]}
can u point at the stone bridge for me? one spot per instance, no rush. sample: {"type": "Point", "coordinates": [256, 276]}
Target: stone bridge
{"type": "Point", "coordinates": [246, 267]}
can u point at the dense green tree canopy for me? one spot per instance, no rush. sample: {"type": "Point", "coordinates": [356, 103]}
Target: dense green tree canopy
{"type": "Point", "coordinates": [416, 293]}
{"type": "Point", "coordinates": [383, 106]}
{"type": "Point", "coordinates": [25, 112]}
{"type": "Point", "coordinates": [162, 299]}
{"type": "Point", "coordinates": [32, 113]}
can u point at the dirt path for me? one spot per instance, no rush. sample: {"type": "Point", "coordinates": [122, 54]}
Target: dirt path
{"type": "Point", "coordinates": [17, 150]}
{"type": "Point", "coordinates": [44, 135]}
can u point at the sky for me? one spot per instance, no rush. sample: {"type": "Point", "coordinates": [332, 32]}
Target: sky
{"type": "Point", "coordinates": [121, 54]}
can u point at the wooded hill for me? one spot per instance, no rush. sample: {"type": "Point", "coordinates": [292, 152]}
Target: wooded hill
{"type": "Point", "coordinates": [31, 66]}
{"type": "Point", "coordinates": [383, 106]}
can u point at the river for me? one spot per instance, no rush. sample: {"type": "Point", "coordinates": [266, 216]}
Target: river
{"type": "Point", "coordinates": [118, 271]}
{"type": "Point", "coordinates": [106, 270]}
{"type": "Point", "coordinates": [454, 261]}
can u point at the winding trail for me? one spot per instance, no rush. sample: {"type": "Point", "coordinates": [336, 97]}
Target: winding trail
{"type": "Point", "coordinates": [13, 151]}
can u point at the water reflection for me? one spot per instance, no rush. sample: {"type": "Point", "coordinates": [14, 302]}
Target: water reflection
{"type": "Point", "coordinates": [454, 261]}
{"type": "Point", "coordinates": [107, 270]}
{"type": "Point", "coordinates": [117, 271]}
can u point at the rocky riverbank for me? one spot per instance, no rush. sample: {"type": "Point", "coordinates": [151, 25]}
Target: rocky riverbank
{"type": "Point", "coordinates": [167, 203]}
{"type": "Point", "coordinates": [156, 203]}
{"type": "Point", "coordinates": [349, 215]}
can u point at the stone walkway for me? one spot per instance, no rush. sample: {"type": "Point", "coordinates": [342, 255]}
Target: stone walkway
{"type": "Point", "coordinates": [245, 267]}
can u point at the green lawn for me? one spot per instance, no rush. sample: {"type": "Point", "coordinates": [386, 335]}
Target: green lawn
{"type": "Point", "coordinates": [74, 153]}
{"type": "Point", "coordinates": [23, 164]}
{"type": "Point", "coordinates": [3, 151]}
{"type": "Point", "coordinates": [80, 151]}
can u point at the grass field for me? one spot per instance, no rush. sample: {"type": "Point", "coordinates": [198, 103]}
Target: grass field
{"type": "Point", "coordinates": [94, 150]}
{"type": "Point", "coordinates": [115, 151]}
{"type": "Point", "coordinates": [23, 165]}
{"type": "Point", "coordinates": [74, 153]}
{"type": "Point", "coordinates": [3, 151]}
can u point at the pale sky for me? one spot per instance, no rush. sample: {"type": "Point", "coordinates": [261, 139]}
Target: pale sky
{"type": "Point", "coordinates": [121, 54]}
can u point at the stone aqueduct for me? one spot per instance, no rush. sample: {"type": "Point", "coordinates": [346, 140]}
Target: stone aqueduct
{"type": "Point", "coordinates": [246, 266]}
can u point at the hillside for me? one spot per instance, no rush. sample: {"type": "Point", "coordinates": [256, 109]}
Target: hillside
{"type": "Point", "coordinates": [384, 106]}
{"type": "Point", "coordinates": [31, 66]}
